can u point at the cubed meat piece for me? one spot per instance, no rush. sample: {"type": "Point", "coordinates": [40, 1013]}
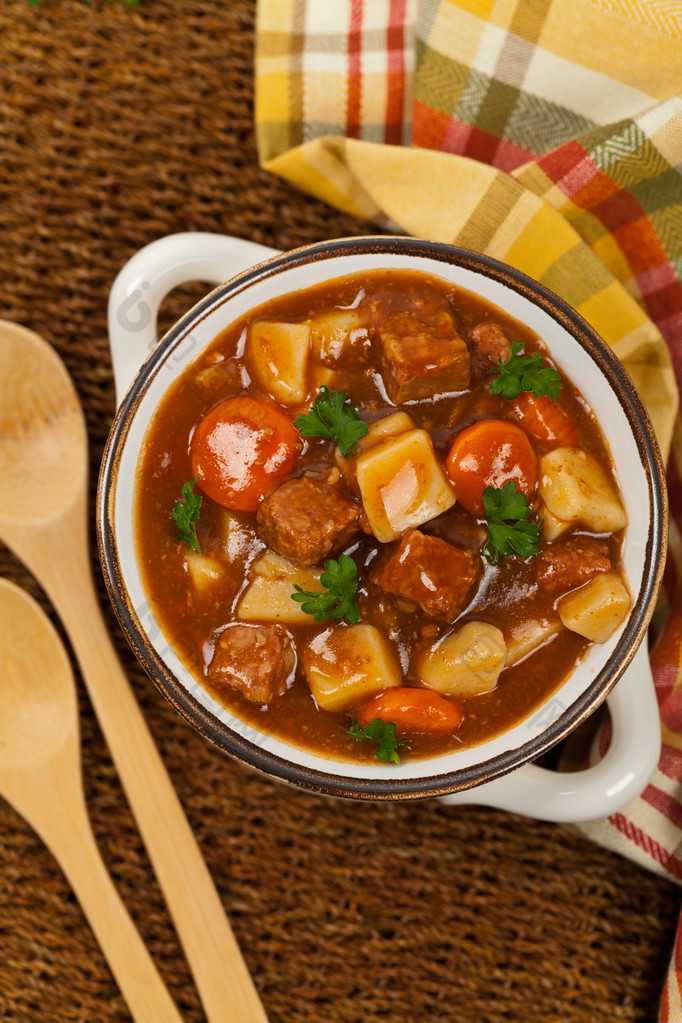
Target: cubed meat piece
{"type": "Point", "coordinates": [256, 660]}
{"type": "Point", "coordinates": [422, 354]}
{"type": "Point", "coordinates": [305, 520]}
{"type": "Point", "coordinates": [570, 563]}
{"type": "Point", "coordinates": [488, 343]}
{"type": "Point", "coordinates": [430, 572]}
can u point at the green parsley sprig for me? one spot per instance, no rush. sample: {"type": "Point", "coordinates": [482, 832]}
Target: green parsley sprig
{"type": "Point", "coordinates": [340, 579]}
{"type": "Point", "coordinates": [525, 373]}
{"type": "Point", "coordinates": [509, 532]}
{"type": "Point", "coordinates": [185, 513]}
{"type": "Point", "coordinates": [332, 419]}
{"type": "Point", "coordinates": [383, 734]}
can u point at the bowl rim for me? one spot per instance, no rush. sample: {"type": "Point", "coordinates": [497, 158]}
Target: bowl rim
{"type": "Point", "coordinates": [391, 787]}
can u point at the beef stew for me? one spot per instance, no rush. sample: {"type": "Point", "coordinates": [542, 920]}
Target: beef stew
{"type": "Point", "coordinates": [469, 536]}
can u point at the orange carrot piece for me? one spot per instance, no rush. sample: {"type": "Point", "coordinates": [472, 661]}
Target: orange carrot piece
{"type": "Point", "coordinates": [412, 710]}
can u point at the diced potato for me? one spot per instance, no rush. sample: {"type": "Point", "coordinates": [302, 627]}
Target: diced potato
{"type": "Point", "coordinates": [552, 527]}
{"type": "Point", "coordinates": [525, 638]}
{"type": "Point", "coordinates": [401, 484]}
{"type": "Point", "coordinates": [465, 663]}
{"type": "Point", "coordinates": [320, 376]}
{"type": "Point", "coordinates": [346, 664]}
{"type": "Point", "coordinates": [597, 609]}
{"type": "Point", "coordinates": [333, 332]}
{"type": "Point", "coordinates": [268, 597]}
{"type": "Point", "coordinates": [379, 430]}
{"type": "Point", "coordinates": [236, 534]}
{"type": "Point", "coordinates": [204, 572]}
{"type": "Point", "coordinates": [278, 355]}
{"type": "Point", "coordinates": [574, 488]}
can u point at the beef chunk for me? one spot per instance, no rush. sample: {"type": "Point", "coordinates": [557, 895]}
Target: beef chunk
{"type": "Point", "coordinates": [421, 352]}
{"type": "Point", "coordinates": [570, 563]}
{"type": "Point", "coordinates": [256, 660]}
{"type": "Point", "coordinates": [430, 572]}
{"type": "Point", "coordinates": [305, 520]}
{"type": "Point", "coordinates": [488, 343]}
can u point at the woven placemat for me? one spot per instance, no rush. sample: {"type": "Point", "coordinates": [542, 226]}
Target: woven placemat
{"type": "Point", "coordinates": [118, 125]}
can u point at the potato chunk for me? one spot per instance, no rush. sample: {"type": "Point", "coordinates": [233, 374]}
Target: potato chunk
{"type": "Point", "coordinates": [204, 572]}
{"type": "Point", "coordinates": [465, 663]}
{"type": "Point", "coordinates": [379, 430]}
{"type": "Point", "coordinates": [268, 597]}
{"type": "Point", "coordinates": [321, 376]}
{"type": "Point", "coordinates": [529, 636]}
{"type": "Point", "coordinates": [333, 332]}
{"type": "Point", "coordinates": [345, 664]}
{"type": "Point", "coordinates": [551, 528]}
{"type": "Point", "coordinates": [236, 534]}
{"type": "Point", "coordinates": [597, 609]}
{"type": "Point", "coordinates": [575, 488]}
{"type": "Point", "coordinates": [278, 355]}
{"type": "Point", "coordinates": [401, 484]}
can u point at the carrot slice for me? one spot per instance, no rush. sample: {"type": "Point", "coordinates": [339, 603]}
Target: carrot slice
{"type": "Point", "coordinates": [545, 420]}
{"type": "Point", "coordinates": [412, 710]}
{"type": "Point", "coordinates": [489, 453]}
{"type": "Point", "coordinates": [241, 449]}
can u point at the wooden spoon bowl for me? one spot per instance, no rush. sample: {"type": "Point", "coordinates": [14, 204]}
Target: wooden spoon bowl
{"type": "Point", "coordinates": [43, 449]}
{"type": "Point", "coordinates": [40, 776]}
{"type": "Point", "coordinates": [43, 518]}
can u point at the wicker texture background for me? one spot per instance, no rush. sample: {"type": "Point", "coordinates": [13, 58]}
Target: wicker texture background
{"type": "Point", "coordinates": [118, 125]}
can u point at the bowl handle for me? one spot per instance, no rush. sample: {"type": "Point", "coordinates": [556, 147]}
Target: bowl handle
{"type": "Point", "coordinates": [597, 791]}
{"type": "Point", "coordinates": [146, 279]}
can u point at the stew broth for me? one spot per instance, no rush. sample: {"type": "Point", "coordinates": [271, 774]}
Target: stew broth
{"type": "Point", "coordinates": [505, 595]}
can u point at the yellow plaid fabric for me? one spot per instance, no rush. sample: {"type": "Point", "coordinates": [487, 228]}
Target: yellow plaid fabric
{"type": "Point", "coordinates": [477, 78]}
{"type": "Point", "coordinates": [545, 133]}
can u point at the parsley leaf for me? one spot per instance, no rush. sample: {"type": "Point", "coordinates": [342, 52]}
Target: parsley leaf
{"type": "Point", "coordinates": [383, 734]}
{"type": "Point", "coordinates": [340, 580]}
{"type": "Point", "coordinates": [186, 514]}
{"type": "Point", "coordinates": [503, 506]}
{"type": "Point", "coordinates": [525, 373]}
{"type": "Point", "coordinates": [331, 418]}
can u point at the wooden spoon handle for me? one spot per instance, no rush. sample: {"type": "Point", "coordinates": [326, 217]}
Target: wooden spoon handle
{"type": "Point", "coordinates": [145, 993]}
{"type": "Point", "coordinates": [222, 978]}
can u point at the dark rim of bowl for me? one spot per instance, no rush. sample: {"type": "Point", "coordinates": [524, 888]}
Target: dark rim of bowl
{"type": "Point", "coordinates": [390, 787]}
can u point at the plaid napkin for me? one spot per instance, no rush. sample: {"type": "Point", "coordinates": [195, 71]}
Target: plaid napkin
{"type": "Point", "coordinates": [545, 133]}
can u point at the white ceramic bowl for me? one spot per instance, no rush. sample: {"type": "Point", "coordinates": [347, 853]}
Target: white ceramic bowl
{"type": "Point", "coordinates": [579, 352]}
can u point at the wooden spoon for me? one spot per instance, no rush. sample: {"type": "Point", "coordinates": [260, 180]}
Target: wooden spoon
{"type": "Point", "coordinates": [43, 518]}
{"type": "Point", "coordinates": [40, 776]}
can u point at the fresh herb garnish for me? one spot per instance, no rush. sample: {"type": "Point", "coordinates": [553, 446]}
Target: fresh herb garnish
{"type": "Point", "coordinates": [331, 418]}
{"type": "Point", "coordinates": [340, 580]}
{"type": "Point", "coordinates": [525, 373]}
{"type": "Point", "coordinates": [505, 505]}
{"type": "Point", "coordinates": [186, 513]}
{"type": "Point", "coordinates": [383, 734]}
